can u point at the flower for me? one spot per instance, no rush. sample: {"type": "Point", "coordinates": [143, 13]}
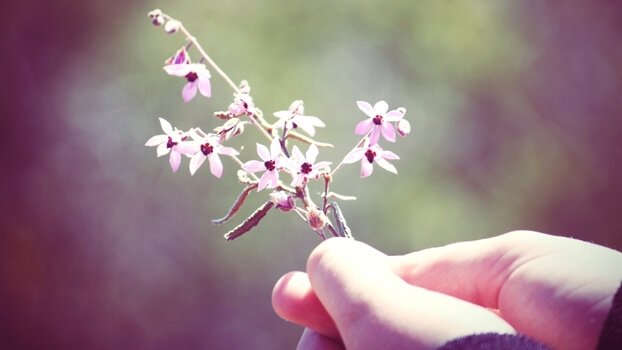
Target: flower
{"type": "Point", "coordinates": [367, 155]}
{"type": "Point", "coordinates": [283, 201]}
{"type": "Point", "coordinates": [270, 162]}
{"type": "Point", "coordinates": [242, 104]}
{"type": "Point", "coordinates": [197, 75]}
{"type": "Point", "coordinates": [378, 121]}
{"type": "Point", "coordinates": [168, 143]}
{"type": "Point", "coordinates": [294, 117]}
{"type": "Point", "coordinates": [303, 167]}
{"type": "Point", "coordinates": [205, 147]}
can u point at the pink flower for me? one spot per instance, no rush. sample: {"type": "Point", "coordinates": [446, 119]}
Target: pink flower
{"type": "Point", "coordinates": [379, 121]}
{"type": "Point", "coordinates": [201, 148]}
{"type": "Point", "coordinates": [168, 143]}
{"type": "Point", "coordinates": [303, 167]}
{"type": "Point", "coordinates": [242, 104]}
{"type": "Point", "coordinates": [370, 154]}
{"type": "Point", "coordinates": [197, 75]}
{"type": "Point", "coordinates": [294, 118]}
{"type": "Point", "coordinates": [270, 162]}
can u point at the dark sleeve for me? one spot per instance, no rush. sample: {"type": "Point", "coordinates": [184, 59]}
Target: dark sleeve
{"type": "Point", "coordinates": [493, 341]}
{"type": "Point", "coordinates": [610, 336]}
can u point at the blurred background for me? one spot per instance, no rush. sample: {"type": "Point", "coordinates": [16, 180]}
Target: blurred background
{"type": "Point", "coordinates": [516, 114]}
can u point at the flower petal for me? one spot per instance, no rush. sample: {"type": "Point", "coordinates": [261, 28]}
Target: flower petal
{"type": "Point", "coordinates": [215, 165]}
{"type": "Point", "coordinates": [364, 126]}
{"type": "Point", "coordinates": [156, 140]}
{"type": "Point", "coordinates": [366, 168]}
{"type": "Point", "coordinates": [189, 91]}
{"type": "Point", "coordinates": [366, 108]}
{"type": "Point", "coordinates": [166, 126]}
{"type": "Point", "coordinates": [389, 155]}
{"type": "Point", "coordinates": [263, 152]}
{"type": "Point", "coordinates": [388, 131]}
{"type": "Point", "coordinates": [174, 160]}
{"type": "Point", "coordinates": [265, 181]}
{"type": "Point", "coordinates": [228, 151]}
{"type": "Point", "coordinates": [374, 136]}
{"type": "Point", "coordinates": [312, 153]}
{"type": "Point", "coordinates": [195, 162]}
{"type": "Point", "coordinates": [162, 150]}
{"type": "Point", "coordinates": [178, 70]}
{"type": "Point", "coordinates": [386, 165]}
{"type": "Point", "coordinates": [395, 115]}
{"type": "Point", "coordinates": [188, 148]}
{"type": "Point", "coordinates": [297, 155]}
{"type": "Point", "coordinates": [275, 149]}
{"type": "Point", "coordinates": [321, 165]}
{"type": "Point", "coordinates": [298, 180]}
{"type": "Point", "coordinates": [205, 87]}
{"type": "Point", "coordinates": [282, 114]}
{"type": "Point", "coordinates": [381, 107]}
{"type": "Point", "coordinates": [354, 155]}
{"type": "Point", "coordinates": [254, 166]}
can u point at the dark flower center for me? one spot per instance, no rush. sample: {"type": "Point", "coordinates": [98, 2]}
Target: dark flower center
{"type": "Point", "coordinates": [306, 168]}
{"type": "Point", "coordinates": [192, 76]}
{"type": "Point", "coordinates": [269, 165]}
{"type": "Point", "coordinates": [378, 120]}
{"type": "Point", "coordinates": [170, 143]}
{"type": "Point", "coordinates": [370, 155]}
{"type": "Point", "coordinates": [206, 148]}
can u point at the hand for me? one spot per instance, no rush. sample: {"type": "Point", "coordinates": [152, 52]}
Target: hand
{"type": "Point", "coordinates": [556, 290]}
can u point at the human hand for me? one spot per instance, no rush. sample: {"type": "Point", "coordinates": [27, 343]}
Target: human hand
{"type": "Point", "coordinates": [556, 290]}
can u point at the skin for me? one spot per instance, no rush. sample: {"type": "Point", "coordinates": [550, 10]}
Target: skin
{"type": "Point", "coordinates": [556, 290]}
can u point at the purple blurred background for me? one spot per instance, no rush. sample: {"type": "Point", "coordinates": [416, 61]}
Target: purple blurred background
{"type": "Point", "coordinates": [101, 247]}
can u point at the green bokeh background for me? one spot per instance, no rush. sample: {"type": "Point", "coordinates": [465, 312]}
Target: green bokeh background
{"type": "Point", "coordinates": [515, 108]}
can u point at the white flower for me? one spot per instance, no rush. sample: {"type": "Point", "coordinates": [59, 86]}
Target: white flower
{"type": "Point", "coordinates": [168, 143]}
{"type": "Point", "coordinates": [294, 118]}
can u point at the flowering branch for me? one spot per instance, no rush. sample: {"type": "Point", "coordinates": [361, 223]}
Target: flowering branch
{"type": "Point", "coordinates": [276, 158]}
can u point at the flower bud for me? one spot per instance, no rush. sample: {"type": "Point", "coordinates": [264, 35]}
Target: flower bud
{"type": "Point", "coordinates": [156, 17]}
{"type": "Point", "coordinates": [316, 219]}
{"type": "Point", "coordinates": [403, 127]}
{"type": "Point", "coordinates": [283, 201]}
{"type": "Point", "coordinates": [172, 26]}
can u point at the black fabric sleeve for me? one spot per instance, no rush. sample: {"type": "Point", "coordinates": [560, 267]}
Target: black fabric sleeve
{"type": "Point", "coordinates": [611, 335]}
{"type": "Point", "coordinates": [493, 341]}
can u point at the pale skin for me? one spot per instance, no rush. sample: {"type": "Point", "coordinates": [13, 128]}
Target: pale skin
{"type": "Point", "coordinates": [556, 290]}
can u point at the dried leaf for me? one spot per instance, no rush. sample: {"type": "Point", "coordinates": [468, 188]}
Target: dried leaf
{"type": "Point", "coordinates": [236, 205]}
{"type": "Point", "coordinates": [250, 222]}
{"type": "Point", "coordinates": [342, 226]}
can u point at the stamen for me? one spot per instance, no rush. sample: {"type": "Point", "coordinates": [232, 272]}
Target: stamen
{"type": "Point", "coordinates": [269, 165]}
{"type": "Point", "coordinates": [170, 143]}
{"type": "Point", "coordinates": [370, 155]}
{"type": "Point", "coordinates": [306, 168]}
{"type": "Point", "coordinates": [378, 120]}
{"type": "Point", "coordinates": [207, 149]}
{"type": "Point", "coordinates": [192, 76]}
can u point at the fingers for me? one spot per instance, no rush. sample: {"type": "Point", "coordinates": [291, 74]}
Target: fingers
{"type": "Point", "coordinates": [472, 271]}
{"type": "Point", "coordinates": [294, 300]}
{"type": "Point", "coordinates": [374, 308]}
{"type": "Point", "coordinates": [312, 340]}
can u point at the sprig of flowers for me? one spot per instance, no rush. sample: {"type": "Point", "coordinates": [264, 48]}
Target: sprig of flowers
{"type": "Point", "coordinates": [277, 160]}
